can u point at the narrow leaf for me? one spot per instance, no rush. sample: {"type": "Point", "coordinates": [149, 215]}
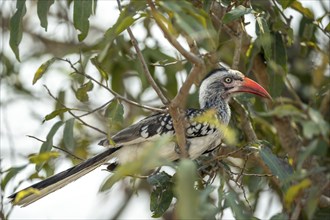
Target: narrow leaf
{"type": "Point", "coordinates": [280, 216]}
{"type": "Point", "coordinates": [236, 208]}
{"type": "Point", "coordinates": [48, 144]}
{"type": "Point", "coordinates": [59, 102]}
{"type": "Point", "coordinates": [300, 8]}
{"type": "Point", "coordinates": [82, 10]}
{"type": "Point", "coordinates": [16, 27]}
{"type": "Point", "coordinates": [280, 55]}
{"type": "Point", "coordinates": [285, 3]}
{"type": "Point", "coordinates": [98, 66]}
{"type": "Point", "coordinates": [235, 14]}
{"type": "Point", "coordinates": [42, 10]}
{"type": "Point", "coordinates": [188, 201]}
{"type": "Point", "coordinates": [122, 23]}
{"type": "Point", "coordinates": [284, 110]}
{"type": "Point", "coordinates": [12, 172]}
{"type": "Point", "coordinates": [81, 93]}
{"type": "Point", "coordinates": [115, 112]}
{"type": "Point", "coordinates": [68, 138]}
{"type": "Point", "coordinates": [162, 194]}
{"type": "Point", "coordinates": [327, 28]}
{"type": "Point", "coordinates": [264, 36]}
{"type": "Point", "coordinates": [43, 157]}
{"type": "Point", "coordinates": [42, 69]}
{"type": "Point", "coordinates": [294, 191]}
{"type": "Point", "coordinates": [55, 113]}
{"type": "Point", "coordinates": [277, 167]}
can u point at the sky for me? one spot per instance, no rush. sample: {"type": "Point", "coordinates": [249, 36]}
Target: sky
{"type": "Point", "coordinates": [80, 199]}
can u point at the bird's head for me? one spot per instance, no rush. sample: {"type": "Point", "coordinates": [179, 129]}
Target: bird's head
{"type": "Point", "coordinates": [225, 83]}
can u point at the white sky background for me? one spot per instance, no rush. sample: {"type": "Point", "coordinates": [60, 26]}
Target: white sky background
{"type": "Point", "coordinates": [78, 200]}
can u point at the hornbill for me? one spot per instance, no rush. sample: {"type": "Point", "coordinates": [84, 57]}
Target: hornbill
{"type": "Point", "coordinates": [215, 91]}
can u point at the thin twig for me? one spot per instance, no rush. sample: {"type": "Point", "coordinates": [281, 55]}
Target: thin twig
{"type": "Point", "coordinates": [188, 55]}
{"type": "Point", "coordinates": [152, 82]}
{"type": "Point", "coordinates": [237, 52]}
{"type": "Point", "coordinates": [96, 109]}
{"type": "Point", "coordinates": [58, 148]}
{"type": "Point", "coordinates": [118, 96]}
{"type": "Point", "coordinates": [178, 103]}
{"type": "Point", "coordinates": [71, 113]}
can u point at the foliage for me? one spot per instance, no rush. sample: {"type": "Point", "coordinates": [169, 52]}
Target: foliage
{"type": "Point", "coordinates": [283, 144]}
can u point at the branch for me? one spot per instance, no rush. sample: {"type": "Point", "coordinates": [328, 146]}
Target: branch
{"type": "Point", "coordinates": [178, 103]}
{"type": "Point", "coordinates": [118, 96]}
{"type": "Point", "coordinates": [71, 113]}
{"type": "Point", "coordinates": [238, 49]}
{"type": "Point", "coordinates": [188, 55]}
{"type": "Point", "coordinates": [96, 109]}
{"type": "Point", "coordinates": [152, 82]}
{"type": "Point", "coordinates": [58, 148]}
{"type": "Point", "coordinates": [245, 122]}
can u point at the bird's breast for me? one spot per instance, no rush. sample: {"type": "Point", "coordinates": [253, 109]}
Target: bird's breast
{"type": "Point", "coordinates": [170, 151]}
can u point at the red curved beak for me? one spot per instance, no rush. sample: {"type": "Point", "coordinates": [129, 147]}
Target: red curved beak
{"type": "Point", "coordinates": [253, 87]}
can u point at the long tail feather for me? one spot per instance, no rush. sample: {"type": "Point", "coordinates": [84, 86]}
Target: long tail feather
{"type": "Point", "coordinates": [61, 179]}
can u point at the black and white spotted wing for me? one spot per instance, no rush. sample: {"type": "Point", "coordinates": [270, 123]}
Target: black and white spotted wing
{"type": "Point", "coordinates": [159, 124]}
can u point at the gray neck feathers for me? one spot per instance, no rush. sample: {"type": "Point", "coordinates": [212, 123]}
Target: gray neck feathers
{"type": "Point", "coordinates": [211, 96]}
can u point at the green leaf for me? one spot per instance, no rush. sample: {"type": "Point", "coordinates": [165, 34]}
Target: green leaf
{"type": "Point", "coordinates": [98, 66]}
{"type": "Point", "coordinates": [81, 93]}
{"type": "Point", "coordinates": [278, 167]}
{"type": "Point", "coordinates": [193, 21]}
{"type": "Point", "coordinates": [60, 102]}
{"type": "Point", "coordinates": [285, 3]}
{"type": "Point", "coordinates": [16, 27]}
{"type": "Point", "coordinates": [237, 209]}
{"type": "Point", "coordinates": [162, 194]}
{"type": "Point", "coordinates": [284, 110]}
{"type": "Point", "coordinates": [115, 112]}
{"type": "Point", "coordinates": [300, 8]}
{"type": "Point", "coordinates": [327, 28]}
{"type": "Point", "coordinates": [48, 144]}
{"type": "Point", "coordinates": [42, 70]}
{"type": "Point", "coordinates": [280, 216]}
{"type": "Point", "coordinates": [236, 13]}
{"type": "Point", "coordinates": [12, 172]}
{"type": "Point", "coordinates": [207, 209]}
{"type": "Point", "coordinates": [264, 37]}
{"type": "Point", "coordinates": [43, 157]}
{"type": "Point", "coordinates": [148, 157]}
{"type": "Point", "coordinates": [55, 113]}
{"type": "Point", "coordinates": [279, 49]}
{"type": "Point", "coordinates": [124, 21]}
{"type": "Point", "coordinates": [187, 205]}
{"type": "Point", "coordinates": [82, 9]}
{"type": "Point", "coordinates": [68, 138]}
{"type": "Point", "coordinates": [42, 10]}
{"type": "Point", "coordinates": [292, 193]}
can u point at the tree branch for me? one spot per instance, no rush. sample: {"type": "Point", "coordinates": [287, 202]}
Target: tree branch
{"type": "Point", "coordinates": [118, 96]}
{"type": "Point", "coordinates": [58, 148]}
{"type": "Point", "coordinates": [71, 113]}
{"type": "Point", "coordinates": [178, 103]}
{"type": "Point", "coordinates": [188, 55]}
{"type": "Point", "coordinates": [152, 82]}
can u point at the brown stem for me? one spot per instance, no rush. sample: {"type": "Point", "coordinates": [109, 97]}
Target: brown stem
{"type": "Point", "coordinates": [188, 55]}
{"type": "Point", "coordinates": [118, 96]}
{"type": "Point", "coordinates": [145, 68]}
{"type": "Point", "coordinates": [71, 113]}
{"type": "Point", "coordinates": [58, 148]}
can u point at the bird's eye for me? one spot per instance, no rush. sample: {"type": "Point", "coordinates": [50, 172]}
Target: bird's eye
{"type": "Point", "coordinates": [228, 80]}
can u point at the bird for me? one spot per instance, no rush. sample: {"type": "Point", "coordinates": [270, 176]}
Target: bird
{"type": "Point", "coordinates": [215, 92]}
